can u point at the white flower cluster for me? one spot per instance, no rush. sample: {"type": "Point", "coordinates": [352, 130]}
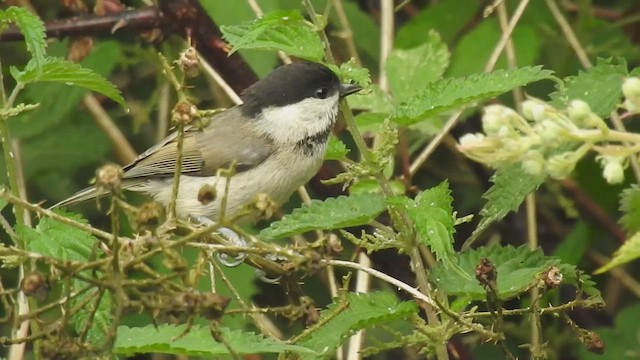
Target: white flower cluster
{"type": "Point", "coordinates": [534, 137]}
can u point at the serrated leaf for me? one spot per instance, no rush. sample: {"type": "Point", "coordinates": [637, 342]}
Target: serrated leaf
{"type": "Point", "coordinates": [630, 206]}
{"type": "Point", "coordinates": [33, 31]}
{"type": "Point", "coordinates": [333, 213]}
{"type": "Point", "coordinates": [360, 311]}
{"type": "Point", "coordinates": [409, 70]}
{"type": "Point", "coordinates": [64, 71]}
{"type": "Point", "coordinates": [629, 251]}
{"type": "Point", "coordinates": [517, 271]}
{"type": "Point", "coordinates": [349, 72]}
{"type": "Point", "coordinates": [451, 93]}
{"type": "Point", "coordinates": [372, 99]}
{"type": "Point", "coordinates": [58, 240]}
{"type": "Point", "coordinates": [511, 185]}
{"type": "Point", "coordinates": [336, 149]}
{"type": "Point", "coordinates": [197, 342]}
{"type": "Point", "coordinates": [599, 86]}
{"type": "Point", "coordinates": [280, 30]}
{"type": "Point", "coordinates": [101, 319]}
{"type": "Point", "coordinates": [432, 214]}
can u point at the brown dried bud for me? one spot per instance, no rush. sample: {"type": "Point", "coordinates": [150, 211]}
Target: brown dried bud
{"type": "Point", "coordinates": [263, 207]}
{"type": "Point", "coordinates": [213, 305]}
{"type": "Point", "coordinates": [76, 6]}
{"type": "Point", "coordinates": [184, 112]}
{"type": "Point", "coordinates": [206, 194]}
{"type": "Point", "coordinates": [109, 177]}
{"type": "Point", "coordinates": [552, 277]}
{"type": "Point", "coordinates": [104, 7]}
{"type": "Point", "coordinates": [593, 342]}
{"type": "Point", "coordinates": [189, 62]}
{"type": "Point", "coordinates": [35, 285]}
{"type": "Point", "coordinates": [334, 245]}
{"type": "Point", "coordinates": [79, 48]}
{"type": "Point", "coordinates": [149, 215]}
{"type": "Point", "coordinates": [311, 313]}
{"type": "Point", "coordinates": [486, 271]}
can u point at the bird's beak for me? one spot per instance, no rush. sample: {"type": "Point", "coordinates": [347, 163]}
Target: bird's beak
{"type": "Point", "coordinates": [348, 89]}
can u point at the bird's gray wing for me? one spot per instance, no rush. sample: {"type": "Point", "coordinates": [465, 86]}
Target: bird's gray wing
{"type": "Point", "coordinates": [227, 139]}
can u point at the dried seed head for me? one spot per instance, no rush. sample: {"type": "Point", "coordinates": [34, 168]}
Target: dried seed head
{"type": "Point", "coordinates": [35, 285]}
{"type": "Point", "coordinates": [334, 245]}
{"type": "Point", "coordinates": [213, 305]}
{"type": "Point", "coordinates": [109, 177]}
{"type": "Point", "coordinates": [263, 207]}
{"type": "Point", "coordinates": [593, 342]}
{"type": "Point", "coordinates": [486, 271]}
{"type": "Point", "coordinates": [184, 112]}
{"type": "Point", "coordinates": [149, 215]}
{"type": "Point", "coordinates": [206, 194]}
{"type": "Point", "coordinates": [553, 277]}
{"type": "Point", "coordinates": [189, 62]}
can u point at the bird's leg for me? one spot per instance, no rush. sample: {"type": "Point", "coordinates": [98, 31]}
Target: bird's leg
{"type": "Point", "coordinates": [232, 236]}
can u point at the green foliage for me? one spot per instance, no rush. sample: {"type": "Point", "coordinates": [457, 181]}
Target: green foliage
{"type": "Point", "coordinates": [280, 30]}
{"type": "Point", "coordinates": [432, 214]}
{"type": "Point", "coordinates": [409, 70]}
{"type": "Point", "coordinates": [33, 30]}
{"type": "Point", "coordinates": [511, 184]}
{"type": "Point", "coordinates": [350, 72]}
{"type": "Point", "coordinates": [197, 341]}
{"type": "Point", "coordinates": [61, 70]}
{"type": "Point", "coordinates": [606, 77]}
{"type": "Point", "coordinates": [333, 213]}
{"type": "Point", "coordinates": [355, 312]}
{"type": "Point", "coordinates": [629, 251]}
{"type": "Point", "coordinates": [630, 207]}
{"type": "Point", "coordinates": [336, 149]}
{"type": "Point", "coordinates": [448, 94]}
{"type": "Point", "coordinates": [517, 271]}
{"type": "Point", "coordinates": [621, 341]}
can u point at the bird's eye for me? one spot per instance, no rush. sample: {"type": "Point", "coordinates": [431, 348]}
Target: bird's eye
{"type": "Point", "coordinates": [322, 93]}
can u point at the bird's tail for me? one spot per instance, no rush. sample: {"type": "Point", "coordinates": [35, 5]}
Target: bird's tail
{"type": "Point", "coordinates": [82, 195]}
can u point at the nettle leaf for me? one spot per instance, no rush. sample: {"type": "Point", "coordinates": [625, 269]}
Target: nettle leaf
{"type": "Point", "coordinates": [630, 206]}
{"type": "Point", "coordinates": [33, 31]}
{"type": "Point", "coordinates": [409, 70]}
{"type": "Point", "coordinates": [350, 72]}
{"type": "Point", "coordinates": [629, 251]}
{"type": "Point", "coordinates": [65, 242]}
{"type": "Point", "coordinates": [196, 342]}
{"type": "Point", "coordinates": [432, 214]}
{"type": "Point", "coordinates": [280, 30]}
{"type": "Point", "coordinates": [333, 213]}
{"type": "Point", "coordinates": [336, 149]}
{"type": "Point", "coordinates": [447, 94]}
{"type": "Point", "coordinates": [58, 240]}
{"type": "Point", "coordinates": [517, 269]}
{"type": "Point", "coordinates": [600, 87]}
{"type": "Point", "coordinates": [64, 71]}
{"type": "Point", "coordinates": [360, 311]}
{"type": "Point", "coordinates": [511, 185]}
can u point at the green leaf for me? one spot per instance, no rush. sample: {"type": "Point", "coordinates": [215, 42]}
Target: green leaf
{"type": "Point", "coordinates": [630, 206]}
{"type": "Point", "coordinates": [358, 311]}
{"type": "Point", "coordinates": [349, 72]}
{"type": "Point", "coordinates": [197, 342]}
{"type": "Point", "coordinates": [63, 71]}
{"type": "Point", "coordinates": [333, 213]}
{"type": "Point", "coordinates": [336, 150]}
{"type": "Point", "coordinates": [34, 34]}
{"type": "Point", "coordinates": [101, 321]}
{"type": "Point", "coordinates": [575, 245]}
{"type": "Point", "coordinates": [607, 77]}
{"type": "Point", "coordinates": [280, 30]}
{"type": "Point", "coordinates": [621, 340]}
{"type": "Point", "coordinates": [517, 269]}
{"type": "Point", "coordinates": [511, 184]}
{"type": "Point", "coordinates": [432, 214]}
{"type": "Point", "coordinates": [58, 240]}
{"type": "Point", "coordinates": [451, 93]}
{"type": "Point", "coordinates": [409, 70]}
{"type": "Point", "coordinates": [629, 251]}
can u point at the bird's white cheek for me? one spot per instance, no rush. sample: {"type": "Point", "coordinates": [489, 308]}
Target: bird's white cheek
{"type": "Point", "coordinates": [294, 122]}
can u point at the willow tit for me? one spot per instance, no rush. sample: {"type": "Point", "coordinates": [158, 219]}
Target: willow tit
{"type": "Point", "coordinates": [276, 139]}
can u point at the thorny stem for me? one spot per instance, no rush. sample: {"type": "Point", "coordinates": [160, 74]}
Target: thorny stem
{"type": "Point", "coordinates": [343, 305]}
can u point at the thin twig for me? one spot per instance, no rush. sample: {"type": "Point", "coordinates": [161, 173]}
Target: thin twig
{"type": "Point", "coordinates": [506, 35]}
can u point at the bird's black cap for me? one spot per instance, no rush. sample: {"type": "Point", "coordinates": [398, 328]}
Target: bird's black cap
{"type": "Point", "coordinates": [288, 85]}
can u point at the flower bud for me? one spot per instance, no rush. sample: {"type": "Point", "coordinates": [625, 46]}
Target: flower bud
{"type": "Point", "coordinates": [471, 139]}
{"type": "Point", "coordinates": [579, 111]}
{"type": "Point", "coordinates": [560, 166]}
{"type": "Point", "coordinates": [534, 110]}
{"type": "Point", "coordinates": [549, 130]}
{"type": "Point", "coordinates": [613, 168]}
{"type": "Point", "coordinates": [494, 119]}
{"type": "Point", "coordinates": [631, 91]}
{"type": "Point", "coordinates": [533, 163]}
{"type": "Point", "coordinates": [189, 62]}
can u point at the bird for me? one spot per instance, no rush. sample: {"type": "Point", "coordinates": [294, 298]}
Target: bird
{"type": "Point", "coordinates": [275, 139]}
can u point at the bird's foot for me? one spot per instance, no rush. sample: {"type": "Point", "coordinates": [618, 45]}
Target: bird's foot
{"type": "Point", "coordinates": [230, 235]}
